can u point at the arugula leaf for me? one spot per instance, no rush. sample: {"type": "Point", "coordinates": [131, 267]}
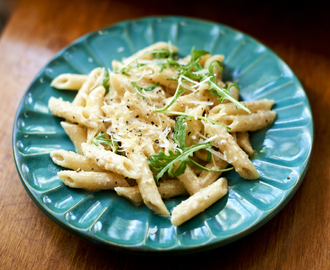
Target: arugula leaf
{"type": "Point", "coordinates": [180, 130]}
{"type": "Point", "coordinates": [162, 163]}
{"type": "Point", "coordinates": [185, 71]}
{"type": "Point", "coordinates": [193, 67]}
{"type": "Point", "coordinates": [170, 63]}
{"type": "Point", "coordinates": [191, 70]}
{"type": "Point", "coordinates": [147, 88]}
{"type": "Point", "coordinates": [105, 82]}
{"type": "Point", "coordinates": [212, 65]}
{"type": "Point", "coordinates": [162, 53]}
{"type": "Point", "coordinates": [178, 93]}
{"type": "Point", "coordinates": [209, 156]}
{"type": "Point", "coordinates": [196, 54]}
{"type": "Point", "coordinates": [101, 139]}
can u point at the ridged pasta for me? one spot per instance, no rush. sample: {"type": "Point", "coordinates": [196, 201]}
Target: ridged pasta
{"type": "Point", "coordinates": [118, 123]}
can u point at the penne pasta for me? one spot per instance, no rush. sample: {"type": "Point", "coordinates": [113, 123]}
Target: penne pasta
{"type": "Point", "coordinates": [71, 160]}
{"type": "Point", "coordinates": [155, 117]}
{"type": "Point", "coordinates": [147, 186]}
{"type": "Point", "coordinates": [70, 112]}
{"type": "Point", "coordinates": [77, 134]}
{"type": "Point", "coordinates": [92, 180]}
{"type": "Point", "coordinates": [235, 155]}
{"type": "Point", "coordinates": [244, 142]}
{"type": "Point", "coordinates": [167, 189]}
{"type": "Point", "coordinates": [110, 161]}
{"type": "Point", "coordinates": [69, 81]}
{"type": "Point", "coordinates": [198, 202]}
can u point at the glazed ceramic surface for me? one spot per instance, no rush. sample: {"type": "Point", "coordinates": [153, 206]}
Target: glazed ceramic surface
{"type": "Point", "coordinates": [282, 154]}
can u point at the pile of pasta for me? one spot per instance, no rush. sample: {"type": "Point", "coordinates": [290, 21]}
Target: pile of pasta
{"type": "Point", "coordinates": [127, 118]}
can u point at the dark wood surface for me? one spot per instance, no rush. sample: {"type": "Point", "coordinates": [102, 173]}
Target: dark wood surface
{"type": "Point", "coordinates": [297, 238]}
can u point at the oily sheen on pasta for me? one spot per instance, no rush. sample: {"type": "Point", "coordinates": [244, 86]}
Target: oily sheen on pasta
{"type": "Point", "coordinates": [155, 126]}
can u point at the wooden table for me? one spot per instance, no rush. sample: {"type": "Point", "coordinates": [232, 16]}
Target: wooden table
{"type": "Point", "coordinates": [297, 238]}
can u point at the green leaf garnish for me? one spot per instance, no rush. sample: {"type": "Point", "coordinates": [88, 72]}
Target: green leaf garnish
{"type": "Point", "coordinates": [161, 54]}
{"type": "Point", "coordinates": [197, 54]}
{"type": "Point", "coordinates": [180, 130]}
{"type": "Point", "coordinates": [146, 88]}
{"type": "Point", "coordinates": [178, 93]}
{"type": "Point", "coordinates": [214, 64]}
{"type": "Point", "coordinates": [105, 82]}
{"type": "Point", "coordinates": [101, 139]}
{"type": "Point", "coordinates": [193, 71]}
{"type": "Point", "coordinates": [162, 163]}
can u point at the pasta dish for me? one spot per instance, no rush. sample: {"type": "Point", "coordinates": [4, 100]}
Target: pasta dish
{"type": "Point", "coordinates": [158, 126]}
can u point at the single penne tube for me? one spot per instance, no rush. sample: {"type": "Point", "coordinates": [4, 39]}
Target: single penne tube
{"type": "Point", "coordinates": [189, 180]}
{"type": "Point", "coordinates": [141, 53]}
{"type": "Point", "coordinates": [91, 82]}
{"type": "Point", "coordinates": [167, 189]}
{"type": "Point", "coordinates": [147, 186]}
{"type": "Point", "coordinates": [95, 100]}
{"type": "Point", "coordinates": [76, 133]}
{"type": "Point", "coordinates": [111, 161]}
{"type": "Point", "coordinates": [74, 161]}
{"type": "Point", "coordinates": [92, 180]}
{"type": "Point", "coordinates": [70, 112]}
{"type": "Point", "coordinates": [94, 103]}
{"type": "Point", "coordinates": [171, 188]}
{"type": "Point", "coordinates": [252, 122]}
{"type": "Point", "coordinates": [244, 142]}
{"type": "Point", "coordinates": [198, 202]}
{"type": "Point", "coordinates": [121, 84]}
{"type": "Point", "coordinates": [234, 154]}
{"type": "Point", "coordinates": [69, 81]}
{"type": "Point", "coordinates": [230, 108]}
{"type": "Point", "coordinates": [133, 194]}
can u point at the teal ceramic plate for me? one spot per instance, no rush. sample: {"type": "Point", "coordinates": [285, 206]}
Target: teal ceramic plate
{"type": "Point", "coordinates": [283, 151]}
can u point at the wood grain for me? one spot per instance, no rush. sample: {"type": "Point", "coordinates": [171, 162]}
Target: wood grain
{"type": "Point", "coordinates": [296, 238]}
